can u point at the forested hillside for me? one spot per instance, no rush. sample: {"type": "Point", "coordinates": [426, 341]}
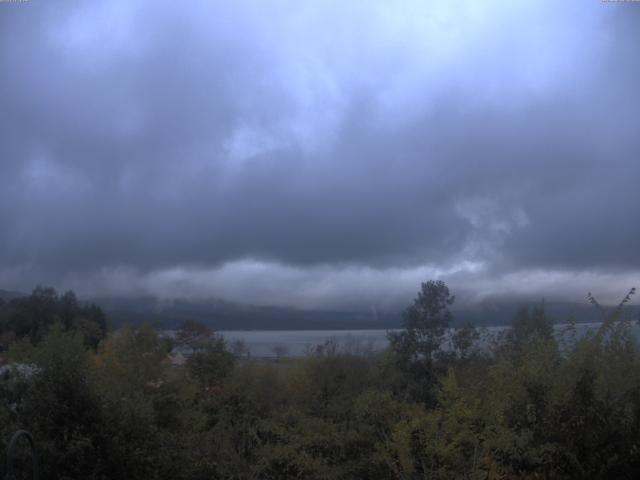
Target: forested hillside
{"type": "Point", "coordinates": [225, 315]}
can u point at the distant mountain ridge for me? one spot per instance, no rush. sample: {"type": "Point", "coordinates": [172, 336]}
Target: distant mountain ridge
{"type": "Point", "coordinates": [226, 315]}
{"type": "Point", "coordinates": [7, 295]}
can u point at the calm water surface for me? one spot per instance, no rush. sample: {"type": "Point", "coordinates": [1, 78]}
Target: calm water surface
{"type": "Point", "coordinates": [271, 343]}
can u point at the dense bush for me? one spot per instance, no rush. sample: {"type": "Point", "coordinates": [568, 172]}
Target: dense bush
{"type": "Point", "coordinates": [530, 404]}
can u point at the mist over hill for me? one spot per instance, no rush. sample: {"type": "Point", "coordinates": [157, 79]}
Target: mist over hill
{"type": "Point", "coordinates": [7, 295]}
{"type": "Point", "coordinates": [225, 315]}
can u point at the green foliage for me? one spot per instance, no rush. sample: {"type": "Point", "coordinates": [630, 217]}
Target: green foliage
{"type": "Point", "coordinates": [528, 408]}
{"type": "Point", "coordinates": [59, 407]}
{"type": "Point", "coordinates": [530, 324]}
{"type": "Point", "coordinates": [31, 317]}
{"type": "Point", "coordinates": [211, 364]}
{"type": "Point", "coordinates": [193, 335]}
{"type": "Point", "coordinates": [425, 323]}
{"type": "Point", "coordinates": [464, 339]}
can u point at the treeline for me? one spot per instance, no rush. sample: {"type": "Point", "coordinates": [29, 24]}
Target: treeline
{"type": "Point", "coordinates": [525, 404]}
{"type": "Point", "coordinates": [32, 317]}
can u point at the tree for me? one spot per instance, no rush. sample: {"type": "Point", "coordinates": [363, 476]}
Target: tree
{"type": "Point", "coordinates": [33, 316]}
{"type": "Point", "coordinates": [415, 346]}
{"type": "Point", "coordinates": [209, 361]}
{"type": "Point", "coordinates": [193, 335]}
{"type": "Point", "coordinates": [92, 322]}
{"type": "Point", "coordinates": [279, 351]}
{"type": "Point", "coordinates": [425, 323]}
{"type": "Point", "coordinates": [463, 340]}
{"type": "Point", "coordinates": [239, 348]}
{"type": "Point", "coordinates": [531, 323]}
{"type": "Point", "coordinates": [61, 409]}
{"type": "Point", "coordinates": [212, 363]}
{"type": "Point", "coordinates": [69, 307]}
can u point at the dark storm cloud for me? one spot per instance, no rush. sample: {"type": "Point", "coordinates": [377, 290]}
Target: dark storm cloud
{"type": "Point", "coordinates": [154, 137]}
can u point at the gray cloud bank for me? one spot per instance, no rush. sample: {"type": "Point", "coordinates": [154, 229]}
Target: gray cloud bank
{"type": "Point", "coordinates": [320, 153]}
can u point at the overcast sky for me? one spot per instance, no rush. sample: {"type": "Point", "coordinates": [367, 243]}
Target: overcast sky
{"type": "Point", "coordinates": [320, 154]}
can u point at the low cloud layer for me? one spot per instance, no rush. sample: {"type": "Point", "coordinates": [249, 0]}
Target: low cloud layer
{"type": "Point", "coordinates": [317, 154]}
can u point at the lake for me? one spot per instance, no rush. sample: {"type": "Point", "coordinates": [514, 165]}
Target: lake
{"type": "Point", "coordinates": [265, 343]}
{"type": "Point", "coordinates": [271, 343]}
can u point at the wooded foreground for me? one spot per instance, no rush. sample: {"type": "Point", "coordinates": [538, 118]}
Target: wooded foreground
{"type": "Point", "coordinates": [117, 405]}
